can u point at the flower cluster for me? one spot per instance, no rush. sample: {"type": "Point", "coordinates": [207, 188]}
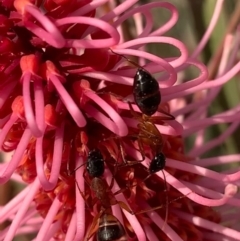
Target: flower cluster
{"type": "Point", "coordinates": [67, 89]}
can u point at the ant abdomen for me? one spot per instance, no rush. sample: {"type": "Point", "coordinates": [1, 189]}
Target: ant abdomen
{"type": "Point", "coordinates": [110, 229]}
{"type": "Point", "coordinates": [105, 225]}
{"type": "Point", "coordinates": [146, 92]}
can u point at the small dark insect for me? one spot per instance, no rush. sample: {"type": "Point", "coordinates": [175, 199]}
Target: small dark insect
{"type": "Point", "coordinates": [146, 91]}
{"type": "Point", "coordinates": [157, 164]}
{"type": "Point", "coordinates": [106, 226]}
{"type": "Point", "coordinates": [148, 134]}
{"type": "Point", "coordinates": [147, 97]}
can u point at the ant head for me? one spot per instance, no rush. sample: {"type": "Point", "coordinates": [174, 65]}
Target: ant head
{"type": "Point", "coordinates": [143, 76]}
{"type": "Point", "coordinates": [95, 163]}
{"type": "Point", "coordinates": [157, 163]}
{"type": "Point", "coordinates": [142, 73]}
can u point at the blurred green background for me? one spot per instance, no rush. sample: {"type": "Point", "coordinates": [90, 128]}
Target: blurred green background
{"type": "Point", "coordinates": [194, 17]}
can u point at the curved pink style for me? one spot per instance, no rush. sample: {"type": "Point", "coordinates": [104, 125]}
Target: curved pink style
{"type": "Point", "coordinates": [51, 35]}
{"type": "Point", "coordinates": [7, 170]}
{"type": "Point", "coordinates": [99, 43]}
{"type": "Point", "coordinates": [68, 101]}
{"type": "Point", "coordinates": [39, 103]}
{"type": "Point", "coordinates": [49, 184]}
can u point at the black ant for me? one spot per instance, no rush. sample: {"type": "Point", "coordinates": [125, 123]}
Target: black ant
{"type": "Point", "coordinates": [106, 226]}
{"type": "Point", "coordinates": [146, 91]}
{"type": "Point", "coordinates": [147, 97]}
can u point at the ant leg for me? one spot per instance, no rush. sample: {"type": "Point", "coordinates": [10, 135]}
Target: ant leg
{"type": "Point", "coordinates": [118, 97]}
{"type": "Point", "coordinates": [116, 165]}
{"type": "Point", "coordinates": [161, 206]}
{"type": "Point", "coordinates": [82, 194]}
{"type": "Point", "coordinates": [129, 60]}
{"type": "Point", "coordinates": [71, 173]}
{"type": "Point", "coordinates": [165, 185]}
{"type": "Point", "coordinates": [79, 189]}
{"type": "Point", "coordinates": [170, 117]}
{"type": "Point", "coordinates": [121, 151]}
{"type": "Point", "coordinates": [94, 226]}
{"type": "Point", "coordinates": [130, 186]}
{"type": "Point", "coordinates": [124, 206]}
{"type": "Point", "coordinates": [130, 163]}
{"type": "Point", "coordinates": [167, 116]}
{"type": "Point", "coordinates": [85, 179]}
{"type": "Point", "coordinates": [133, 112]}
{"type": "Point", "coordinates": [141, 150]}
{"type": "Point", "coordinates": [112, 180]}
{"type": "Point", "coordinates": [111, 183]}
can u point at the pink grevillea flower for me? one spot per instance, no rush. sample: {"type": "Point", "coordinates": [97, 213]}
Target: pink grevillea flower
{"type": "Point", "coordinates": [64, 92]}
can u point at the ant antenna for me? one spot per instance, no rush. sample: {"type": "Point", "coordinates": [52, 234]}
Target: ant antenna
{"type": "Point", "coordinates": [79, 189]}
{"type": "Point", "coordinates": [71, 173]}
{"type": "Point", "coordinates": [165, 186]}
{"type": "Point", "coordinates": [129, 60]}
